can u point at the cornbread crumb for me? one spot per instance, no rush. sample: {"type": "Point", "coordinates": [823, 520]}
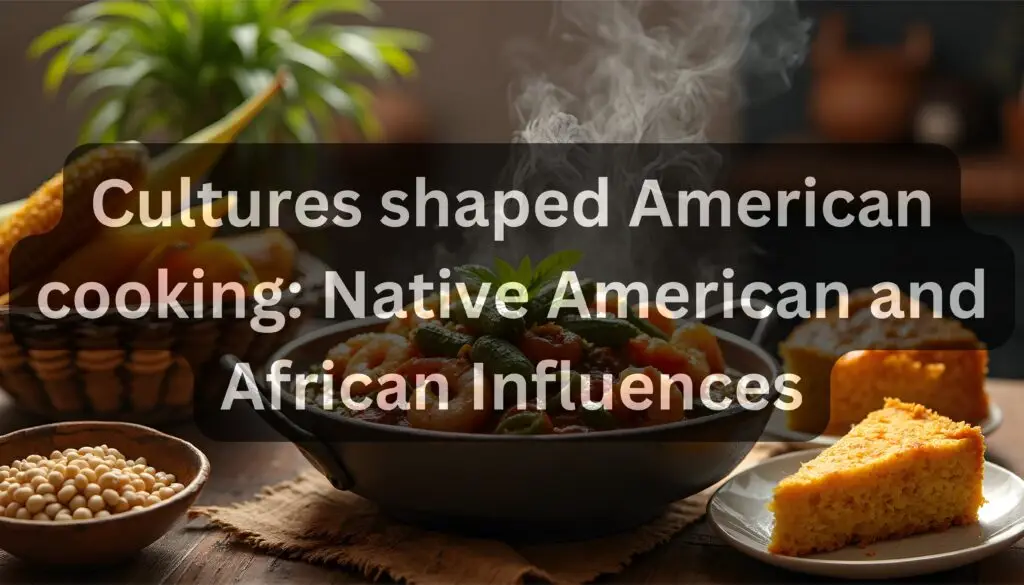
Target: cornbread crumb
{"type": "Point", "coordinates": [903, 470]}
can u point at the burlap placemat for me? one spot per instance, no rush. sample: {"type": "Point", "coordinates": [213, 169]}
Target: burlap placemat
{"type": "Point", "coordinates": [308, 519]}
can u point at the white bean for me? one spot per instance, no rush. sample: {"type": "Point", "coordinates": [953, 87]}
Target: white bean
{"type": "Point", "coordinates": [66, 493]}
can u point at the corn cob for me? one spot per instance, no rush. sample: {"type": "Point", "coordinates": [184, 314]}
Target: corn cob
{"type": "Point", "coordinates": [194, 156]}
{"type": "Point", "coordinates": [68, 194]}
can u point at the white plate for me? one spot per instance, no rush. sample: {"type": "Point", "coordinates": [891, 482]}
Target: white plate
{"type": "Point", "coordinates": [738, 512]}
{"type": "Point", "coordinates": [778, 428]}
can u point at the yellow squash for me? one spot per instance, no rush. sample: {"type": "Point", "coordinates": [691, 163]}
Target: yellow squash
{"type": "Point", "coordinates": [113, 256]}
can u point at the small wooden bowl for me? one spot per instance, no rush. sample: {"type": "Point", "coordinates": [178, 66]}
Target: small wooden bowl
{"type": "Point", "coordinates": [112, 539]}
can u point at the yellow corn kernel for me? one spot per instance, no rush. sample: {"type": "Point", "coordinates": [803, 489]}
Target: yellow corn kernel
{"type": "Point", "coordinates": [71, 189]}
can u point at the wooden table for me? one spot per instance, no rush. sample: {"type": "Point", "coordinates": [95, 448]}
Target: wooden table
{"type": "Point", "coordinates": [193, 555]}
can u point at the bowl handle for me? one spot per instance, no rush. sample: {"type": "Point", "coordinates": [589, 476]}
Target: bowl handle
{"type": "Point", "coordinates": [316, 451]}
{"type": "Point", "coordinates": [761, 327]}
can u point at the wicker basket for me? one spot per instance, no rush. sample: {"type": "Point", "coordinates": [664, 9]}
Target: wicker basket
{"type": "Point", "coordinates": [135, 370]}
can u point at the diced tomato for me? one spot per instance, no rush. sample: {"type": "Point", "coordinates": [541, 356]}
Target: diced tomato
{"type": "Point", "coordinates": [669, 358]}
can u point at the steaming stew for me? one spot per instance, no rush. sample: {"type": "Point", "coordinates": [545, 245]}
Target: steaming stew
{"type": "Point", "coordinates": [556, 370]}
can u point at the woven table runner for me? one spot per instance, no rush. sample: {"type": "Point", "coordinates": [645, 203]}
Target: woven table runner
{"type": "Point", "coordinates": [307, 519]}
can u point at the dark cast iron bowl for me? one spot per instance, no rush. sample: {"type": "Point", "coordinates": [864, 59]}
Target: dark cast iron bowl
{"type": "Point", "coordinates": [558, 486]}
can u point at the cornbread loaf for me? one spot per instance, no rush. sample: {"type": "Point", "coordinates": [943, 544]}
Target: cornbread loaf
{"type": "Point", "coordinates": [903, 470]}
{"type": "Point", "coordinates": [848, 366]}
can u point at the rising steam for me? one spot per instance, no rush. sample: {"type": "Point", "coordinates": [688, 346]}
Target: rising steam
{"type": "Point", "coordinates": [662, 83]}
{"type": "Point", "coordinates": [642, 72]}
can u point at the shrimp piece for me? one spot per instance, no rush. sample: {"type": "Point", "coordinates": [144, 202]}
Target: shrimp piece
{"type": "Point", "coordinates": [340, 354]}
{"type": "Point", "coordinates": [379, 356]}
{"type": "Point", "coordinates": [669, 358]}
{"type": "Point", "coordinates": [405, 325]}
{"type": "Point", "coordinates": [698, 336]}
{"type": "Point", "coordinates": [469, 403]}
{"type": "Point", "coordinates": [425, 366]}
{"type": "Point", "coordinates": [551, 342]}
{"type": "Point", "coordinates": [667, 404]}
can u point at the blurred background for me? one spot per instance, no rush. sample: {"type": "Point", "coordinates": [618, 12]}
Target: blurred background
{"type": "Point", "coordinates": [944, 72]}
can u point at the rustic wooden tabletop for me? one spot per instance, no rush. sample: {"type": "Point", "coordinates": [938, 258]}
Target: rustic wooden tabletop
{"type": "Point", "coordinates": [193, 555]}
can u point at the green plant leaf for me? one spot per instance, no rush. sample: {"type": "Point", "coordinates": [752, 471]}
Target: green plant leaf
{"type": "Point", "coordinates": [246, 37]}
{"type": "Point", "coordinates": [53, 38]}
{"type": "Point", "coordinates": [400, 61]}
{"type": "Point", "coordinates": [390, 52]}
{"type": "Point", "coordinates": [138, 13]}
{"type": "Point", "coordinates": [101, 125]}
{"type": "Point", "coordinates": [321, 114]}
{"type": "Point", "coordinates": [145, 116]}
{"type": "Point", "coordinates": [113, 51]}
{"type": "Point", "coordinates": [57, 69]}
{"type": "Point", "coordinates": [204, 56]}
{"type": "Point", "coordinates": [302, 13]}
{"type": "Point", "coordinates": [116, 77]}
{"type": "Point", "coordinates": [297, 120]}
{"type": "Point", "coordinates": [364, 52]}
{"type": "Point", "coordinates": [397, 37]}
{"type": "Point", "coordinates": [524, 274]}
{"type": "Point", "coordinates": [303, 56]}
{"type": "Point", "coordinates": [552, 267]}
{"type": "Point", "coordinates": [505, 271]}
{"type": "Point", "coordinates": [484, 273]}
{"type": "Point", "coordinates": [251, 82]}
{"type": "Point", "coordinates": [336, 98]}
{"type": "Point", "coordinates": [62, 61]}
{"type": "Point", "coordinates": [363, 114]}
{"type": "Point", "coordinates": [268, 13]}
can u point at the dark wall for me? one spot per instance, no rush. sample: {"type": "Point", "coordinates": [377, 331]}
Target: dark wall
{"type": "Point", "coordinates": [968, 37]}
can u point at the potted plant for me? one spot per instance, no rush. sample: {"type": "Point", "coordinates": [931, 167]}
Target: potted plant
{"type": "Point", "coordinates": [866, 94]}
{"type": "Point", "coordinates": [171, 67]}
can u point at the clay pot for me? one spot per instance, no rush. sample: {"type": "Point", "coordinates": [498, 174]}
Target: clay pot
{"type": "Point", "coordinates": [1013, 127]}
{"type": "Point", "coordinates": [957, 114]}
{"type": "Point", "coordinates": [866, 95]}
{"type": "Point", "coordinates": [403, 118]}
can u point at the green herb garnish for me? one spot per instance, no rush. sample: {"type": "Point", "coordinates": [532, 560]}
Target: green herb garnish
{"type": "Point", "coordinates": [532, 278]}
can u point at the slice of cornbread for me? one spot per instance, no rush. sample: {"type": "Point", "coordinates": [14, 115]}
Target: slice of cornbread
{"type": "Point", "coordinates": [903, 470]}
{"type": "Point", "coordinates": [930, 361]}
